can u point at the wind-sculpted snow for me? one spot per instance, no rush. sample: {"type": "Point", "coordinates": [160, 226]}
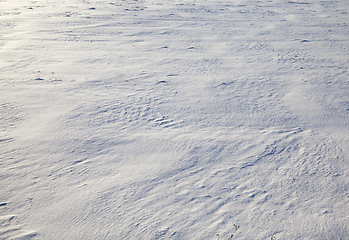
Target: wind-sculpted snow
{"type": "Point", "coordinates": [150, 119]}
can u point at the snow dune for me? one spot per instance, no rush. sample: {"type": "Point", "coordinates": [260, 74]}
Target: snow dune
{"type": "Point", "coordinates": [149, 119]}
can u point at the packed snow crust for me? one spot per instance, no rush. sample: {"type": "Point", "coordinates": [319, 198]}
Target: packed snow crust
{"type": "Point", "coordinates": [174, 119]}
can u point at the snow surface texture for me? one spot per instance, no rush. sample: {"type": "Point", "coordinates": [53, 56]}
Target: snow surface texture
{"type": "Point", "coordinates": [174, 119]}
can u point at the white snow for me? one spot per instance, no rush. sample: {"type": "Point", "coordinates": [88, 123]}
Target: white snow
{"type": "Point", "coordinates": [174, 119]}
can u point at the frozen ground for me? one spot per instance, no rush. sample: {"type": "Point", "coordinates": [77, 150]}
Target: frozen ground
{"type": "Point", "coordinates": [169, 119]}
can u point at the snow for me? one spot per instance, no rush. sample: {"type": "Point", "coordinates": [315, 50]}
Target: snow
{"type": "Point", "coordinates": [149, 119]}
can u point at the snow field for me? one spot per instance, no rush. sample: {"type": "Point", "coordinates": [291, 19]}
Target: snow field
{"type": "Point", "coordinates": [174, 119]}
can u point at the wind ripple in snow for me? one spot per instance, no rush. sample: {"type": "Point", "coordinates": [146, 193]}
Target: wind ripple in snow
{"type": "Point", "coordinates": [138, 111]}
{"type": "Point", "coordinates": [9, 229]}
{"type": "Point", "coordinates": [288, 174]}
